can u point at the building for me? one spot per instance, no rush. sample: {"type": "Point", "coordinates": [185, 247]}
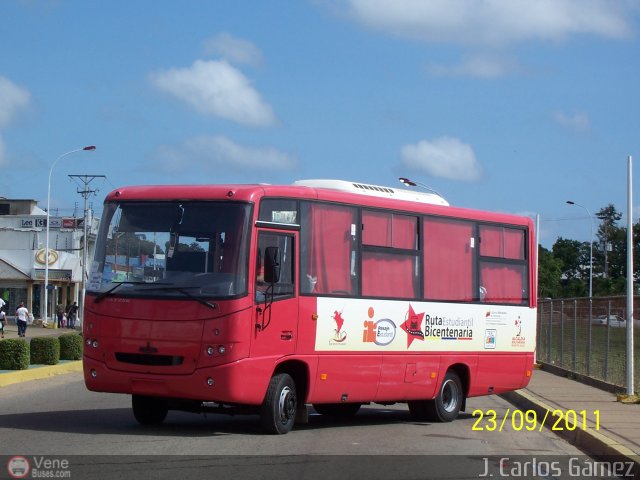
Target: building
{"type": "Point", "coordinates": [22, 256]}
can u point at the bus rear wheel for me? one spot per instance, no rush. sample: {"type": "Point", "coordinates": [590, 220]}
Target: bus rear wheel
{"type": "Point", "coordinates": [149, 410]}
{"type": "Point", "coordinates": [447, 404]}
{"type": "Point", "coordinates": [278, 410]}
{"type": "Point", "coordinates": [343, 410]}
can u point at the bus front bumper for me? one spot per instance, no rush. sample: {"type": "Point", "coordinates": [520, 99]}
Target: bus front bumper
{"type": "Point", "coordinates": [242, 382]}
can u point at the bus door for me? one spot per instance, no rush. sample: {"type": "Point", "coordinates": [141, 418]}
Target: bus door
{"type": "Point", "coordinates": [276, 303]}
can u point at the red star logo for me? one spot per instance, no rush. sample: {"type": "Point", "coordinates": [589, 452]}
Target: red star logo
{"type": "Point", "coordinates": [413, 326]}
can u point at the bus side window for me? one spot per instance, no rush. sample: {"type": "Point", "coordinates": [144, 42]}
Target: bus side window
{"type": "Point", "coordinates": [328, 241]}
{"type": "Point", "coordinates": [448, 259]}
{"type": "Point", "coordinates": [389, 254]}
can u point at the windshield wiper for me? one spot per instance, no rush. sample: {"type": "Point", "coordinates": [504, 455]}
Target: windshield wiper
{"type": "Point", "coordinates": [184, 291]}
{"type": "Point", "coordinates": [109, 292]}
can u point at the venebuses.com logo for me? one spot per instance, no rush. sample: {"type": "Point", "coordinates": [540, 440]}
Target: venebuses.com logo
{"type": "Point", "coordinates": [39, 467]}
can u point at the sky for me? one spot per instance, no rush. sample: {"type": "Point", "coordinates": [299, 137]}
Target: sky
{"type": "Point", "coordinates": [513, 106]}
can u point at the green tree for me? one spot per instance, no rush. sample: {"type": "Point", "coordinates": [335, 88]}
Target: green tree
{"type": "Point", "coordinates": [607, 254]}
{"type": "Point", "coordinates": [572, 257]}
{"type": "Point", "coordinates": [129, 244]}
{"type": "Point", "coordinates": [574, 287]}
{"type": "Point", "coordinates": [570, 253]}
{"type": "Point", "coordinates": [636, 252]}
{"type": "Point", "coordinates": [549, 274]}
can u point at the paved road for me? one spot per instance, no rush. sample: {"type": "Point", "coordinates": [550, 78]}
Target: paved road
{"type": "Point", "coordinates": [58, 417]}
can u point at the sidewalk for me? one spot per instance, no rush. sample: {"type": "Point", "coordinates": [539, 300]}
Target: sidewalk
{"type": "Point", "coordinates": [11, 331]}
{"type": "Point", "coordinates": [37, 372]}
{"type": "Point", "coordinates": [604, 427]}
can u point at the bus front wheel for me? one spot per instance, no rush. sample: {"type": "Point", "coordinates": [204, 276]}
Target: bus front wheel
{"type": "Point", "coordinates": [447, 404]}
{"type": "Point", "coordinates": [149, 410]}
{"type": "Point", "coordinates": [278, 411]}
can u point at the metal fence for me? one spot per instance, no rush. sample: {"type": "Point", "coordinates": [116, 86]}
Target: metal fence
{"type": "Point", "coordinates": [588, 337]}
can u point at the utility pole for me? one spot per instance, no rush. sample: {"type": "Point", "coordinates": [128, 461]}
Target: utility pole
{"type": "Point", "coordinates": [85, 192]}
{"type": "Point", "coordinates": [630, 321]}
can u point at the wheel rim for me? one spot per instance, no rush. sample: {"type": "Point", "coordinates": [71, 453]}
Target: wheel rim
{"type": "Point", "coordinates": [449, 395]}
{"type": "Point", "coordinates": [287, 405]}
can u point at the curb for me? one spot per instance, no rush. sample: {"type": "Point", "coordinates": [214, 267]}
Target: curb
{"type": "Point", "coordinates": [38, 372]}
{"type": "Point", "coordinates": [592, 442]}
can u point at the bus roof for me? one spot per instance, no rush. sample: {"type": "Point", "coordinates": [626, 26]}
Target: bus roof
{"type": "Point", "coordinates": [340, 191]}
{"type": "Point", "coordinates": [375, 190]}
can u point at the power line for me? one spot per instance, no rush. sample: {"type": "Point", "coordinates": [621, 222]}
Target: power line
{"type": "Point", "coordinates": [567, 219]}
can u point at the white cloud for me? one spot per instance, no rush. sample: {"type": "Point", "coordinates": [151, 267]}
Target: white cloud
{"type": "Point", "coordinates": [234, 49]}
{"type": "Point", "coordinates": [12, 99]}
{"type": "Point", "coordinates": [493, 22]}
{"type": "Point", "coordinates": [211, 152]}
{"type": "Point", "coordinates": [216, 88]}
{"type": "Point", "coordinates": [443, 157]}
{"type": "Point", "coordinates": [577, 121]}
{"type": "Point", "coordinates": [480, 66]}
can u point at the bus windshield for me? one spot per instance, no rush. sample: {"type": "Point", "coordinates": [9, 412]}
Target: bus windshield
{"type": "Point", "coordinates": [169, 248]}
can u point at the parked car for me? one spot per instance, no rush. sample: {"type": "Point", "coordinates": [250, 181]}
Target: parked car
{"type": "Point", "coordinates": [615, 321]}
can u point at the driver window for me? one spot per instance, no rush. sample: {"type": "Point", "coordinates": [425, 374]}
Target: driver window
{"type": "Point", "coordinates": [284, 288]}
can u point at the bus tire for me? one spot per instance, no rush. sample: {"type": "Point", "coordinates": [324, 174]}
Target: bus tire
{"type": "Point", "coordinates": [447, 404]}
{"type": "Point", "coordinates": [342, 410]}
{"type": "Point", "coordinates": [278, 410]}
{"type": "Point", "coordinates": [149, 410]}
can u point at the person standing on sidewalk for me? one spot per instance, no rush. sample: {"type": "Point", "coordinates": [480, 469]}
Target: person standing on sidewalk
{"type": "Point", "coordinates": [22, 315]}
{"type": "Point", "coordinates": [72, 315]}
{"type": "Point", "coordinates": [60, 315]}
{"type": "Point", "coordinates": [3, 320]}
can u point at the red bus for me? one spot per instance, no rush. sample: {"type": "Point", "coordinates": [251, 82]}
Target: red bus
{"type": "Point", "coordinates": [265, 299]}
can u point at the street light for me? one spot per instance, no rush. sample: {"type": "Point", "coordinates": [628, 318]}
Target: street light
{"type": "Point", "coordinates": [590, 247]}
{"type": "Point", "coordinates": [411, 183]}
{"type": "Point", "coordinates": [46, 251]}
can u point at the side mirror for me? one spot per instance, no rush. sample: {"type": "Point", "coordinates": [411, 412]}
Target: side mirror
{"type": "Point", "coordinates": [272, 265]}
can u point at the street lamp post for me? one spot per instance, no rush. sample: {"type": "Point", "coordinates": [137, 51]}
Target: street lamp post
{"type": "Point", "coordinates": [590, 247]}
{"type": "Point", "coordinates": [46, 251]}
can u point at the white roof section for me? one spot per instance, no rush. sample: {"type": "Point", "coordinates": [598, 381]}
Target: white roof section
{"type": "Point", "coordinates": [374, 190]}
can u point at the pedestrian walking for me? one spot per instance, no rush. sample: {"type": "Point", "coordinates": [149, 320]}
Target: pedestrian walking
{"type": "Point", "coordinates": [3, 320]}
{"type": "Point", "coordinates": [72, 314]}
{"type": "Point", "coordinates": [22, 316]}
{"type": "Point", "coordinates": [60, 315]}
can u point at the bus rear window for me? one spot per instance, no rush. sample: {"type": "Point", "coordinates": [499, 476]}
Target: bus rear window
{"type": "Point", "coordinates": [503, 270]}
